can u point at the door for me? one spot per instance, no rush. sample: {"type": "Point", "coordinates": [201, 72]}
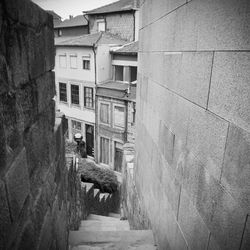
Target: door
{"type": "Point", "coordinates": [89, 139]}
{"type": "Point", "coordinates": [118, 157]}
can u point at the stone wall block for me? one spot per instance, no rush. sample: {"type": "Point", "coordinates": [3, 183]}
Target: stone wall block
{"type": "Point", "coordinates": [26, 13]}
{"type": "Point", "coordinates": [5, 220]}
{"type": "Point", "coordinates": [236, 171]}
{"type": "Point", "coordinates": [49, 48]}
{"type": "Point", "coordinates": [230, 90]}
{"type": "Point", "coordinates": [206, 139]}
{"type": "Point", "coordinates": [191, 223]}
{"type": "Point", "coordinates": [222, 215]}
{"type": "Point", "coordinates": [17, 53]}
{"type": "Point", "coordinates": [5, 77]}
{"type": "Point", "coordinates": [36, 53]}
{"type": "Point", "coordinates": [18, 185]}
{"type": "Point", "coordinates": [246, 236]}
{"type": "Point", "coordinates": [45, 90]}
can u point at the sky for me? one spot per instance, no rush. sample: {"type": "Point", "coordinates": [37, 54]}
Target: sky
{"type": "Point", "coordinates": [64, 8]}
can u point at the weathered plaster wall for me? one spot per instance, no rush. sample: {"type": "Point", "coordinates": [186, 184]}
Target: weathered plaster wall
{"type": "Point", "coordinates": [33, 207]}
{"type": "Point", "coordinates": [193, 126]}
{"type": "Point", "coordinates": [121, 24]}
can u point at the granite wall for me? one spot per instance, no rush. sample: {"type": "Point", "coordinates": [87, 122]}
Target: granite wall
{"type": "Point", "coordinates": [33, 176]}
{"type": "Point", "coordinates": [192, 165]}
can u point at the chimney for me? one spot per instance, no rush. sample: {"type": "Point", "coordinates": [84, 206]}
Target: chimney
{"type": "Point", "coordinates": [70, 16]}
{"type": "Point", "coordinates": [136, 4]}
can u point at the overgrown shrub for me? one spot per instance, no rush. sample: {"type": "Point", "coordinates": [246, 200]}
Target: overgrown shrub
{"type": "Point", "coordinates": [104, 179]}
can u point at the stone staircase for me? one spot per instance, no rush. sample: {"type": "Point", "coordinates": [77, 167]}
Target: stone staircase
{"type": "Point", "coordinates": [109, 233]}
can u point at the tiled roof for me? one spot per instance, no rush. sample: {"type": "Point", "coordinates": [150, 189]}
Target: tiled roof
{"type": "Point", "coordinates": [73, 22]}
{"type": "Point", "coordinates": [116, 90]}
{"type": "Point", "coordinates": [122, 5]}
{"type": "Point", "coordinates": [131, 48]}
{"type": "Point", "coordinates": [89, 40]}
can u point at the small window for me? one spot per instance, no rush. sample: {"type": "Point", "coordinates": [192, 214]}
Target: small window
{"type": "Point", "coordinates": [119, 73]}
{"type": "Point", "coordinates": [133, 74]}
{"type": "Point", "coordinates": [119, 116]}
{"type": "Point", "coordinates": [104, 113]}
{"type": "Point", "coordinates": [86, 64]}
{"type": "Point", "coordinates": [63, 92]}
{"type": "Point", "coordinates": [62, 61]}
{"type": "Point", "coordinates": [74, 94]}
{"type": "Point", "coordinates": [73, 61]}
{"type": "Point", "coordinates": [104, 150]}
{"type": "Point", "coordinates": [76, 127]}
{"type": "Point", "coordinates": [101, 25]}
{"type": "Point", "coordinates": [88, 97]}
{"type": "Point", "coordinates": [59, 32]}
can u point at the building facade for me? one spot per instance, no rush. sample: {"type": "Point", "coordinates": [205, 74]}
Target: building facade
{"type": "Point", "coordinates": [80, 64]}
{"type": "Point", "coordinates": [116, 108]}
{"type": "Point", "coordinates": [119, 18]}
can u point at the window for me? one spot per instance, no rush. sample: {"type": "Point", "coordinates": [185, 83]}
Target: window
{"type": "Point", "coordinates": [119, 73]}
{"type": "Point", "coordinates": [119, 116]}
{"type": "Point", "coordinates": [88, 97]}
{"type": "Point", "coordinates": [74, 94]}
{"type": "Point", "coordinates": [86, 64]}
{"type": "Point", "coordinates": [100, 25]}
{"type": "Point", "coordinates": [133, 74]}
{"type": "Point", "coordinates": [104, 113]}
{"type": "Point", "coordinates": [63, 92]}
{"type": "Point", "coordinates": [59, 32]}
{"type": "Point", "coordinates": [62, 61]}
{"type": "Point", "coordinates": [104, 150]}
{"type": "Point", "coordinates": [76, 127]}
{"type": "Point", "coordinates": [73, 61]}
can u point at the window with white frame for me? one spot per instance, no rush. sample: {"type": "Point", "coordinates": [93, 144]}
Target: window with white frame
{"type": "Point", "coordinates": [88, 97]}
{"type": "Point", "coordinates": [73, 61]}
{"type": "Point", "coordinates": [75, 94]}
{"type": "Point", "coordinates": [101, 25]}
{"type": "Point", "coordinates": [119, 116]}
{"type": "Point", "coordinates": [63, 61]}
{"type": "Point", "coordinates": [76, 127]}
{"type": "Point", "coordinates": [104, 150]}
{"type": "Point", "coordinates": [62, 92]}
{"type": "Point", "coordinates": [104, 113]}
{"type": "Point", "coordinates": [86, 62]}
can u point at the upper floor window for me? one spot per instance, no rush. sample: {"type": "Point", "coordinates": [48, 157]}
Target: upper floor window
{"type": "Point", "coordinates": [73, 61]}
{"type": "Point", "coordinates": [75, 94]}
{"type": "Point", "coordinates": [63, 61]}
{"type": "Point", "coordinates": [119, 116]}
{"type": "Point", "coordinates": [119, 73]}
{"type": "Point", "coordinates": [125, 73]}
{"type": "Point", "coordinates": [86, 62]}
{"type": "Point", "coordinates": [62, 92]}
{"type": "Point", "coordinates": [88, 97]}
{"type": "Point", "coordinates": [101, 25]}
{"type": "Point", "coordinates": [59, 32]}
{"type": "Point", "coordinates": [104, 113]}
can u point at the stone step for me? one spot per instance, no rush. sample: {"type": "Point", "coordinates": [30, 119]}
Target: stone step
{"type": "Point", "coordinates": [94, 225]}
{"type": "Point", "coordinates": [114, 215]}
{"type": "Point", "coordinates": [101, 218]}
{"type": "Point", "coordinates": [122, 239]}
{"type": "Point", "coordinates": [88, 186]}
{"type": "Point", "coordinates": [115, 246]}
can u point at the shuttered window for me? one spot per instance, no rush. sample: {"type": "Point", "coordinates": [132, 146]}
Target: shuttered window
{"type": "Point", "coordinates": [104, 144]}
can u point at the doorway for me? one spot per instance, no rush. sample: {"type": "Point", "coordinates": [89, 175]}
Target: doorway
{"type": "Point", "coordinates": [118, 157]}
{"type": "Point", "coordinates": [89, 139]}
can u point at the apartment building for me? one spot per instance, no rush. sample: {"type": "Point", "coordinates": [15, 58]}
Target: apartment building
{"type": "Point", "coordinates": [116, 107]}
{"type": "Point", "coordinates": [81, 63]}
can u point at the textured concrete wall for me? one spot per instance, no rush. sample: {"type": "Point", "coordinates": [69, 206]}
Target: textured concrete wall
{"type": "Point", "coordinates": [193, 125]}
{"type": "Point", "coordinates": [33, 207]}
{"type": "Point", "coordinates": [121, 24]}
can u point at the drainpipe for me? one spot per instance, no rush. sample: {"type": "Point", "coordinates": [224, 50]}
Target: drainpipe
{"type": "Point", "coordinates": [96, 107]}
{"type": "Point", "coordinates": [126, 122]}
